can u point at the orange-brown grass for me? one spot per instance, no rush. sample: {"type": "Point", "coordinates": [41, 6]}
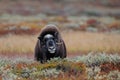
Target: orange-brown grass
{"type": "Point", "coordinates": [21, 27]}
{"type": "Point", "coordinates": [75, 41]}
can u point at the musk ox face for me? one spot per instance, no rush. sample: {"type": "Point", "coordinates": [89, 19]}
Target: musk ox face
{"type": "Point", "coordinates": [50, 44]}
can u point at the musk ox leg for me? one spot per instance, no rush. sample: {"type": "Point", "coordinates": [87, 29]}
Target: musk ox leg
{"type": "Point", "coordinates": [43, 59]}
{"type": "Point", "coordinates": [43, 56]}
{"type": "Point", "coordinates": [40, 53]}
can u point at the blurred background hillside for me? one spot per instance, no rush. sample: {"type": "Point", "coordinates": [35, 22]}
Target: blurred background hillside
{"type": "Point", "coordinates": [61, 7]}
{"type": "Point", "coordinates": [17, 16]}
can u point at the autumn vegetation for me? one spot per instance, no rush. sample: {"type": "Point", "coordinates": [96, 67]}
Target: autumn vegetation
{"type": "Point", "coordinates": [91, 35]}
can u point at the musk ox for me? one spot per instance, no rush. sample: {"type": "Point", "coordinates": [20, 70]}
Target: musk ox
{"type": "Point", "coordinates": [49, 44]}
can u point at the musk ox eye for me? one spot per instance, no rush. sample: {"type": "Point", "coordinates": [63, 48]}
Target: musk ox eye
{"type": "Point", "coordinates": [46, 39]}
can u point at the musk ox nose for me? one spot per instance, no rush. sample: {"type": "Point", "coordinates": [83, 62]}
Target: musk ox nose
{"type": "Point", "coordinates": [50, 43]}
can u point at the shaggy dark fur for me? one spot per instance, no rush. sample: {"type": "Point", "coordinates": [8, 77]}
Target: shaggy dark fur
{"type": "Point", "coordinates": [41, 53]}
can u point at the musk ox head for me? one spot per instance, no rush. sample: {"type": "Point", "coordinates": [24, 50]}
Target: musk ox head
{"type": "Point", "coordinates": [50, 44]}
